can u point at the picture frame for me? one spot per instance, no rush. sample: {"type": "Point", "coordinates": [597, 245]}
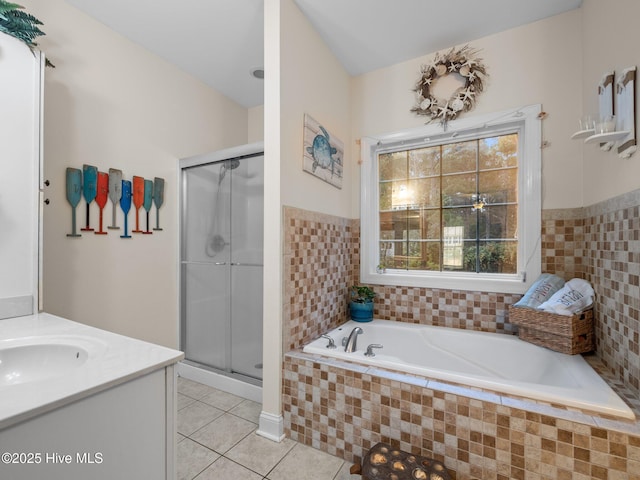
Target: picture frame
{"type": "Point", "coordinates": [323, 153]}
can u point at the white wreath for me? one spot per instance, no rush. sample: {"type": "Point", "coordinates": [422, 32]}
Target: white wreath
{"type": "Point", "coordinates": [463, 62]}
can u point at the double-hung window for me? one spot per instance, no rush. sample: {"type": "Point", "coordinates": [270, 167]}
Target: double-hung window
{"type": "Point", "coordinates": [456, 207]}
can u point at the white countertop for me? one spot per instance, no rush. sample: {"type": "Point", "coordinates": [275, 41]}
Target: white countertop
{"type": "Point", "coordinates": [112, 359]}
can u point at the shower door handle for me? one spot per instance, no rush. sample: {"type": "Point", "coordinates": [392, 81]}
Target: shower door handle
{"type": "Point", "coordinates": [237, 264]}
{"type": "Point", "coordinates": [187, 262]}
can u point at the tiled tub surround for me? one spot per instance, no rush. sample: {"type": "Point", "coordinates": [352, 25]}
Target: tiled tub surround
{"type": "Point", "coordinates": [345, 409]}
{"type": "Point", "coordinates": [575, 243]}
{"type": "Point", "coordinates": [601, 243]}
{"type": "Point", "coordinates": [612, 244]}
{"type": "Point", "coordinates": [321, 253]}
{"type": "Point", "coordinates": [481, 360]}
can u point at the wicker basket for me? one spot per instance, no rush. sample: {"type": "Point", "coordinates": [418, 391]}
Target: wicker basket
{"type": "Point", "coordinates": [560, 333]}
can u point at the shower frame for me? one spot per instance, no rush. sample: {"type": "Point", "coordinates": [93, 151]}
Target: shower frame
{"type": "Point", "coordinates": [237, 383]}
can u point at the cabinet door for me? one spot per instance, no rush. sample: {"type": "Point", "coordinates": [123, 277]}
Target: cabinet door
{"type": "Point", "coordinates": [20, 114]}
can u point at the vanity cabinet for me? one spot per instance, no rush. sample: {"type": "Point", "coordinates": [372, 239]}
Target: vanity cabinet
{"type": "Point", "coordinates": [118, 433]}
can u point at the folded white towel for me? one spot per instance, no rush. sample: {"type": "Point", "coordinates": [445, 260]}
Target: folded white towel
{"type": "Point", "coordinates": [576, 295]}
{"type": "Point", "coordinates": [542, 290]}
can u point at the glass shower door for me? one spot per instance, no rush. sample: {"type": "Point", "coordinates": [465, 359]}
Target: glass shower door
{"type": "Point", "coordinates": [206, 269]}
{"type": "Point", "coordinates": [222, 232]}
{"type": "Point", "coordinates": [246, 266]}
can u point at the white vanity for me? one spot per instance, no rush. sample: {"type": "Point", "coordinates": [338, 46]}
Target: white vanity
{"type": "Point", "coordinates": [76, 402]}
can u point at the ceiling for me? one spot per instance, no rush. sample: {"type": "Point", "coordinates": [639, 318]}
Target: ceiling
{"type": "Point", "coordinates": [221, 41]}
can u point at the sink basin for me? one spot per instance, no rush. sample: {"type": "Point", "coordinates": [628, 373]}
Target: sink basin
{"type": "Point", "coordinates": [38, 361]}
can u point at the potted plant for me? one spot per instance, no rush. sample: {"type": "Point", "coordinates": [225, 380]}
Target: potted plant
{"type": "Point", "coordinates": [361, 304]}
{"type": "Point", "coordinates": [15, 21]}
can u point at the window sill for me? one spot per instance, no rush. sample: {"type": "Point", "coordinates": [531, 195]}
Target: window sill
{"type": "Point", "coordinates": [451, 281]}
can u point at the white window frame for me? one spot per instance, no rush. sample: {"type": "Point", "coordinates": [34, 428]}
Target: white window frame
{"type": "Point", "coordinates": [525, 121]}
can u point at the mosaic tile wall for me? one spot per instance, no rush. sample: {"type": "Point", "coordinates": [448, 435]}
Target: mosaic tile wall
{"type": "Point", "coordinates": [321, 261]}
{"type": "Point", "coordinates": [562, 243]}
{"type": "Point", "coordinates": [612, 246]}
{"type": "Point", "coordinates": [319, 253]}
{"type": "Point", "coordinates": [346, 412]}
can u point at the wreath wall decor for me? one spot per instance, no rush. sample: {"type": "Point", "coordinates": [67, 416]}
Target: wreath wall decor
{"type": "Point", "coordinates": [463, 62]}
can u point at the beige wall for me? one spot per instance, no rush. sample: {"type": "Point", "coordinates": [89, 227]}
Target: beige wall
{"type": "Point", "coordinates": [112, 104]}
{"type": "Point", "coordinates": [256, 124]}
{"type": "Point", "coordinates": [610, 42]}
{"type": "Point", "coordinates": [536, 63]}
{"type": "Point", "coordinates": [313, 82]}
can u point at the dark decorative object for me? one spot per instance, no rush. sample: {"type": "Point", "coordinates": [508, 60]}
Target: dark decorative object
{"type": "Point", "coordinates": [463, 63]}
{"type": "Point", "coordinates": [383, 462]}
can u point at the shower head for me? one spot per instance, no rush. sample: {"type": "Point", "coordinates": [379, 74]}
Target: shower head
{"type": "Point", "coordinates": [227, 165]}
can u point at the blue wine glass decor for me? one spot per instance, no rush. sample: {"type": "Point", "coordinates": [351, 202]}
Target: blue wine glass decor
{"type": "Point", "coordinates": [125, 204]}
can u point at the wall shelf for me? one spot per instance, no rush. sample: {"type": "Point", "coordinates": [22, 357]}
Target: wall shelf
{"type": "Point", "coordinates": [582, 134]}
{"type": "Point", "coordinates": [606, 137]}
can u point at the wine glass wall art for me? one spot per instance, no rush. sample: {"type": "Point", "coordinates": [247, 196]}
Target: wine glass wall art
{"type": "Point", "coordinates": [89, 183]}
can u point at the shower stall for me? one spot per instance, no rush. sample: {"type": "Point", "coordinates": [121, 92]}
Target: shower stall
{"type": "Point", "coordinates": [221, 265]}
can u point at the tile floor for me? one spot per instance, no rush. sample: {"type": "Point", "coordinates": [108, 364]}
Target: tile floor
{"type": "Point", "coordinates": [217, 440]}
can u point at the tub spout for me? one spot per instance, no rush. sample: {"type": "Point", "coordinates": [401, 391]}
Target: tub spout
{"type": "Point", "coordinates": [353, 338]}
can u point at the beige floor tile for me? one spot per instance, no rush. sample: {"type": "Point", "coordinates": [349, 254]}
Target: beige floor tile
{"type": "Point", "coordinates": [193, 459]}
{"type": "Point", "coordinates": [249, 410]}
{"type": "Point", "coordinates": [196, 416]}
{"type": "Point", "coordinates": [258, 453]}
{"type": "Point", "coordinates": [225, 469]}
{"type": "Point", "coordinates": [184, 401]}
{"type": "Point", "coordinates": [306, 463]}
{"type": "Point", "coordinates": [224, 432]}
{"type": "Point", "coordinates": [222, 400]}
{"type": "Point", "coordinates": [192, 389]}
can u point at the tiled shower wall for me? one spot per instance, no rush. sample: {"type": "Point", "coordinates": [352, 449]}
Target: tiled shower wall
{"type": "Point", "coordinates": [600, 243]}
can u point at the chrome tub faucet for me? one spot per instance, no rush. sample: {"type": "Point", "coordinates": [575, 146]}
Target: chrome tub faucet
{"type": "Point", "coordinates": [353, 338]}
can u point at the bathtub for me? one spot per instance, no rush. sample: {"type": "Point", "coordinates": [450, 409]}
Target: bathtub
{"type": "Point", "coordinates": [496, 362]}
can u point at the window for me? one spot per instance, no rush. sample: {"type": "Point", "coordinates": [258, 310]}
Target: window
{"type": "Point", "coordinates": [451, 208]}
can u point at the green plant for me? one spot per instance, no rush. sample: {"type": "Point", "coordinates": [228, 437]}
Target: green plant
{"type": "Point", "coordinates": [362, 294]}
{"type": "Point", "coordinates": [16, 22]}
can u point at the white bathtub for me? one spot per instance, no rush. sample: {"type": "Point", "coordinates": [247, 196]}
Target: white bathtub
{"type": "Point", "coordinates": [497, 362]}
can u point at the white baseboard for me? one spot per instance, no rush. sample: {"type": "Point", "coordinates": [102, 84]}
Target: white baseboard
{"type": "Point", "coordinates": [222, 382]}
{"type": "Point", "coordinates": [271, 426]}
